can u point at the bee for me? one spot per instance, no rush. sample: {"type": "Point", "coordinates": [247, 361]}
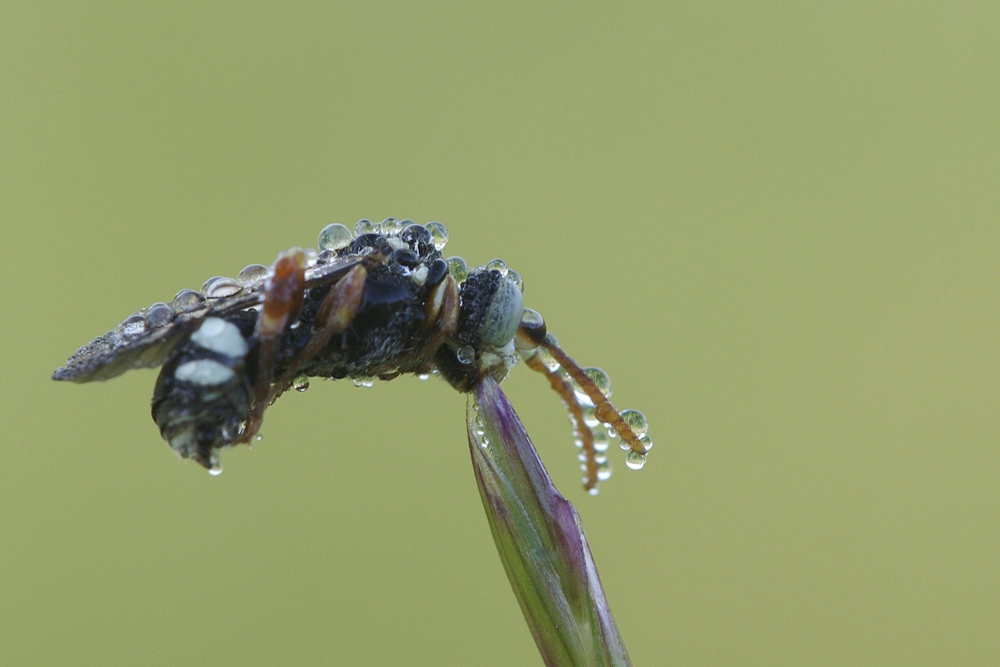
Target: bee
{"type": "Point", "coordinates": [370, 304]}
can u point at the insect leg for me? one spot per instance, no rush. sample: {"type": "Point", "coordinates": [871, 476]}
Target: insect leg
{"type": "Point", "coordinates": [442, 312]}
{"type": "Point", "coordinates": [282, 303]}
{"type": "Point", "coordinates": [335, 314]}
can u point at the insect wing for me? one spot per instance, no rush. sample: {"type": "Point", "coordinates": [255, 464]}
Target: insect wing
{"type": "Point", "coordinates": [331, 272]}
{"type": "Point", "coordinates": [118, 351]}
{"type": "Point", "coordinates": [138, 344]}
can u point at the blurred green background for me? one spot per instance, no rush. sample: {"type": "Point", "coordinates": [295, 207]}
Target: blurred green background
{"type": "Point", "coordinates": [775, 226]}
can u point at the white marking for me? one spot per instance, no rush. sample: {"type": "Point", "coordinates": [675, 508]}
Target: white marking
{"type": "Point", "coordinates": [220, 336]}
{"type": "Point", "coordinates": [204, 372]}
{"type": "Point", "coordinates": [396, 243]}
{"type": "Point", "coordinates": [419, 274]}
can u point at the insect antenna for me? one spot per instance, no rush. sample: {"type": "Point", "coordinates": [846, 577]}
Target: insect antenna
{"type": "Point", "coordinates": [603, 409]}
{"type": "Point", "coordinates": [583, 433]}
{"type": "Point", "coordinates": [542, 353]}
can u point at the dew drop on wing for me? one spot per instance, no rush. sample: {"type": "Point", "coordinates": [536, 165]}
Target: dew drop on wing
{"type": "Point", "coordinates": [252, 276]}
{"type": "Point", "coordinates": [187, 300]}
{"type": "Point", "coordinates": [133, 326]}
{"type": "Point", "coordinates": [220, 288]}
{"type": "Point", "coordinates": [158, 315]}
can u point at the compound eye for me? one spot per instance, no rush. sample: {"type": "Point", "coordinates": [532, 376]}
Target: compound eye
{"type": "Point", "coordinates": [503, 315]}
{"type": "Point", "coordinates": [531, 332]}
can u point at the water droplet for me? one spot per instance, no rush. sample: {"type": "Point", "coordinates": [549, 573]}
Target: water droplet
{"type": "Point", "coordinates": [635, 460]}
{"type": "Point", "coordinates": [364, 381]}
{"type": "Point", "coordinates": [423, 376]}
{"type": "Point", "coordinates": [549, 361]}
{"type": "Point", "coordinates": [334, 237]}
{"type": "Point", "coordinates": [636, 421]}
{"type": "Point", "coordinates": [252, 276]}
{"type": "Point", "coordinates": [391, 227]}
{"type": "Point", "coordinates": [311, 256]}
{"type": "Point", "coordinates": [187, 300]}
{"type": "Point", "coordinates": [515, 278]}
{"type": "Point", "coordinates": [218, 288]}
{"type": "Point", "coordinates": [646, 442]}
{"type": "Point", "coordinates": [301, 383]}
{"type": "Point", "coordinates": [158, 314]}
{"type": "Point", "coordinates": [134, 325]}
{"type": "Point", "coordinates": [259, 437]}
{"type": "Point", "coordinates": [600, 380]}
{"type": "Point", "coordinates": [592, 490]}
{"type": "Point", "coordinates": [466, 355]}
{"type": "Point", "coordinates": [588, 417]}
{"type": "Point", "coordinates": [531, 331]}
{"type": "Point", "coordinates": [459, 268]}
{"type": "Point", "coordinates": [601, 440]}
{"type": "Point", "coordinates": [215, 470]}
{"type": "Point", "coordinates": [604, 472]}
{"type": "Point", "coordinates": [365, 226]}
{"type": "Point", "coordinates": [414, 234]}
{"type": "Point", "coordinates": [439, 234]}
{"type": "Point", "coordinates": [208, 282]}
{"type": "Point", "coordinates": [497, 265]}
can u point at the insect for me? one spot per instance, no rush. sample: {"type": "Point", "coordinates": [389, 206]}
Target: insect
{"type": "Point", "coordinates": [370, 304]}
